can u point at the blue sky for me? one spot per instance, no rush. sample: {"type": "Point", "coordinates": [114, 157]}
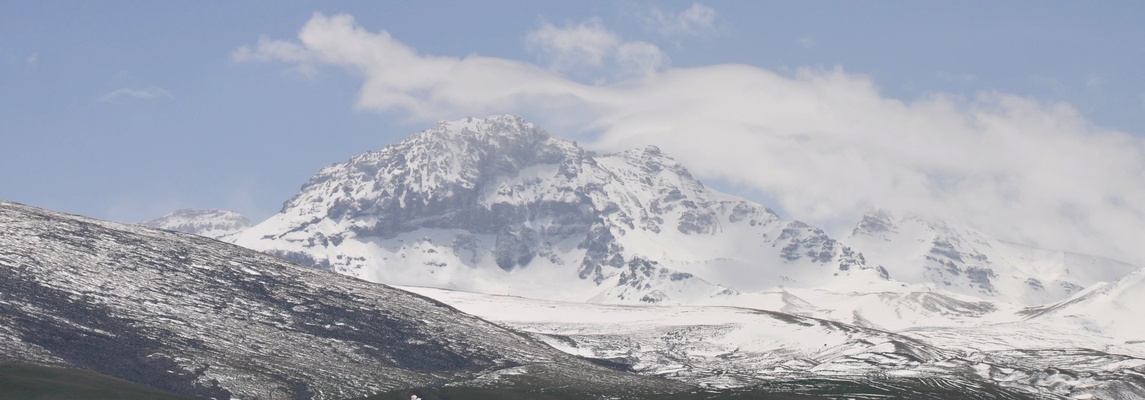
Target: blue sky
{"type": "Point", "coordinates": [127, 110]}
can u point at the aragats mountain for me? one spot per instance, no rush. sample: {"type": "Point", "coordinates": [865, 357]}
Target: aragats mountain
{"type": "Point", "coordinates": [498, 205]}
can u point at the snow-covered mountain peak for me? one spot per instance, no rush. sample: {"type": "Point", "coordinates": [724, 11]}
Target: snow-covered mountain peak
{"type": "Point", "coordinates": [216, 224]}
{"type": "Point", "coordinates": [448, 160]}
{"type": "Point", "coordinates": [499, 205]}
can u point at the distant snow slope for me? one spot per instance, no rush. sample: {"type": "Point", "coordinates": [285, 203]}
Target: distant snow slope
{"type": "Point", "coordinates": [1114, 311]}
{"type": "Point", "coordinates": [215, 224]}
{"type": "Point", "coordinates": [498, 205]}
{"type": "Point", "coordinates": [909, 307]}
{"type": "Point", "coordinates": [739, 347]}
{"type": "Point", "coordinates": [952, 257]}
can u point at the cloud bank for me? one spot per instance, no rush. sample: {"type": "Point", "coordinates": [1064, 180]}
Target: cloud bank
{"type": "Point", "coordinates": [825, 144]}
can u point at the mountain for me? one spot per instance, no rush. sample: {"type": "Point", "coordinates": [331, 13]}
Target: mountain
{"type": "Point", "coordinates": [198, 317]}
{"type": "Point", "coordinates": [498, 205]}
{"type": "Point", "coordinates": [956, 258]}
{"type": "Point", "coordinates": [215, 224]}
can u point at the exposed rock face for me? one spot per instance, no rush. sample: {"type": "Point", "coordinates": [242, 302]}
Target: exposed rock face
{"type": "Point", "coordinates": [499, 205]}
{"type": "Point", "coordinates": [209, 319]}
{"type": "Point", "coordinates": [215, 224]}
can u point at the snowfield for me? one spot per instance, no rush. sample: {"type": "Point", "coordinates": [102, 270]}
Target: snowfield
{"type": "Point", "coordinates": [722, 347]}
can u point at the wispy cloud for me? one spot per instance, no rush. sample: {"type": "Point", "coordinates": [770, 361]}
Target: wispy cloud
{"type": "Point", "coordinates": [589, 45]}
{"type": "Point", "coordinates": [22, 63]}
{"type": "Point", "coordinates": [268, 50]}
{"type": "Point", "coordinates": [697, 20]}
{"type": "Point", "coordinates": [127, 94]}
{"type": "Point", "coordinates": [584, 44]}
{"type": "Point", "coordinates": [824, 143]}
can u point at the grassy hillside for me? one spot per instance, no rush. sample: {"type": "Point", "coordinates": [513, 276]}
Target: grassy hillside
{"type": "Point", "coordinates": [32, 382]}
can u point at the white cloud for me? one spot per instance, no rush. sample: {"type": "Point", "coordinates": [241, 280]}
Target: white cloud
{"type": "Point", "coordinates": [588, 45]}
{"type": "Point", "coordinates": [824, 143]}
{"type": "Point", "coordinates": [697, 20]}
{"type": "Point", "coordinates": [33, 60]}
{"type": "Point", "coordinates": [574, 46]}
{"type": "Point", "coordinates": [126, 94]}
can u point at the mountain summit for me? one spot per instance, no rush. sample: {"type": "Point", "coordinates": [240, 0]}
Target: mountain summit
{"type": "Point", "coordinates": [498, 205]}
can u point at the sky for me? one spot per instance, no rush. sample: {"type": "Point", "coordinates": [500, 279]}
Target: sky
{"type": "Point", "coordinates": [1023, 119]}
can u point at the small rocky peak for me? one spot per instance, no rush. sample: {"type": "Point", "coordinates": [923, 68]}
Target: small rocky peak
{"type": "Point", "coordinates": [211, 223]}
{"type": "Point", "coordinates": [652, 160]}
{"type": "Point", "coordinates": [652, 151]}
{"type": "Point", "coordinates": [504, 130]}
{"type": "Point", "coordinates": [875, 222]}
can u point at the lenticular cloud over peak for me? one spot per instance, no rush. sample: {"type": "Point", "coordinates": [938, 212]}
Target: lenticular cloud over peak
{"type": "Point", "coordinates": [825, 143]}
